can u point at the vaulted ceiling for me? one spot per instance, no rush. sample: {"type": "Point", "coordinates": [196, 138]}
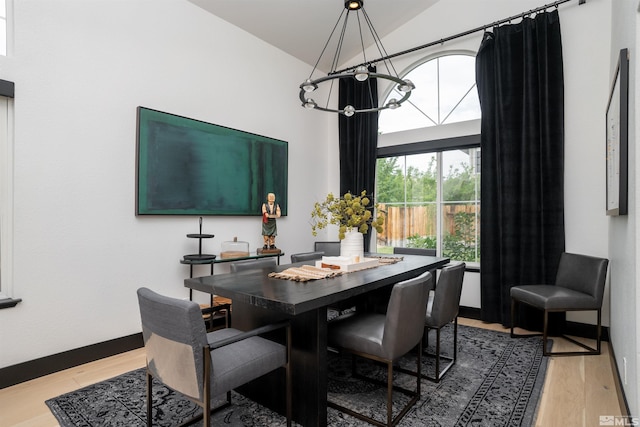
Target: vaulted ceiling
{"type": "Point", "coordinates": [302, 27]}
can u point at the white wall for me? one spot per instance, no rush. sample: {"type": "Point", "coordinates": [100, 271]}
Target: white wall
{"type": "Point", "coordinates": [623, 233]}
{"type": "Point", "coordinates": [81, 69]}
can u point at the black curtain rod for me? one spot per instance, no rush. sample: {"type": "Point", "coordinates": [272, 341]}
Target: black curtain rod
{"type": "Point", "coordinates": [466, 33]}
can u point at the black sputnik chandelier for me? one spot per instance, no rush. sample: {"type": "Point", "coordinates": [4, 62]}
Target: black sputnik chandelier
{"type": "Point", "coordinates": [353, 11]}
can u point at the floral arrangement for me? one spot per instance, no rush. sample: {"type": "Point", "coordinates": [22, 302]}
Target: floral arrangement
{"type": "Point", "coordinates": [346, 212]}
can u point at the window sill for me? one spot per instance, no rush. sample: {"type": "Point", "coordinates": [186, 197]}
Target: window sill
{"type": "Point", "coordinates": [472, 267]}
{"type": "Point", "coordinates": [9, 302]}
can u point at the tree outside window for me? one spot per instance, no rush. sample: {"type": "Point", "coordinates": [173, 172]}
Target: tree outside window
{"type": "Point", "coordinates": [421, 213]}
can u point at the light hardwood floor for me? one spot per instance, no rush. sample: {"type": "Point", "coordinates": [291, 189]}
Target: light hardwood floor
{"type": "Point", "coordinates": [577, 390]}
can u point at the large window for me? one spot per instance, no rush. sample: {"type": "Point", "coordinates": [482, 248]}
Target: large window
{"type": "Point", "coordinates": [430, 190]}
{"type": "Point", "coordinates": [6, 195]}
{"type": "Point", "coordinates": [431, 200]}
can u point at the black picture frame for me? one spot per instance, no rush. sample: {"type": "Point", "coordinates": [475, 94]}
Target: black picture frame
{"type": "Point", "coordinates": [617, 142]}
{"type": "Point", "coordinates": [190, 167]}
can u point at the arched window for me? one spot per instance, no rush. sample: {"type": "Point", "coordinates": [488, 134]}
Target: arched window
{"type": "Point", "coordinates": [445, 93]}
{"type": "Point", "coordinates": [430, 189]}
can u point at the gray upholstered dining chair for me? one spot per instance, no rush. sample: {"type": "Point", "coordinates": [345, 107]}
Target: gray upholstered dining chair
{"type": "Point", "coordinates": [252, 264]}
{"type": "Point", "coordinates": [329, 248]}
{"type": "Point", "coordinates": [204, 366]}
{"type": "Point", "coordinates": [414, 251]}
{"type": "Point", "coordinates": [306, 256]}
{"type": "Point", "coordinates": [385, 338]}
{"type": "Point", "coordinates": [442, 309]}
{"type": "Point", "coordinates": [579, 286]}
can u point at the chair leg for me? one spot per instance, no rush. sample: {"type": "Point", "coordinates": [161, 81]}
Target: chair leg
{"type": "Point", "coordinates": [389, 393]}
{"type": "Point", "coordinates": [414, 395]}
{"type": "Point", "coordinates": [149, 399]}
{"type": "Point", "coordinates": [419, 369]}
{"type": "Point", "coordinates": [206, 409]}
{"type": "Point", "coordinates": [437, 376]}
{"type": "Point", "coordinates": [545, 336]}
{"type": "Point", "coordinates": [514, 306]}
{"type": "Point", "coordinates": [545, 352]}
{"type": "Point", "coordinates": [437, 356]}
{"type": "Point", "coordinates": [455, 339]}
{"type": "Point", "coordinates": [513, 315]}
{"type": "Point", "coordinates": [426, 338]}
{"type": "Point", "coordinates": [599, 331]}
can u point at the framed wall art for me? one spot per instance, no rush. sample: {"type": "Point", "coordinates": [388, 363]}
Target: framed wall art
{"type": "Point", "coordinates": [191, 167]}
{"type": "Point", "coordinates": [617, 121]}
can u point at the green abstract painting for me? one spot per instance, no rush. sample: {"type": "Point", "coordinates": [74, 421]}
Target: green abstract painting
{"type": "Point", "coordinates": [190, 167]}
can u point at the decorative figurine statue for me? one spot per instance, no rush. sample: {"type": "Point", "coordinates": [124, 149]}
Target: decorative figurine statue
{"type": "Point", "coordinates": [270, 211]}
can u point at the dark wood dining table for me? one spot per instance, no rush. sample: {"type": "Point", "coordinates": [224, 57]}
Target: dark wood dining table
{"type": "Point", "coordinates": [258, 299]}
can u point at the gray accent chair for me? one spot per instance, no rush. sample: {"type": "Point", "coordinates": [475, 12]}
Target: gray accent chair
{"type": "Point", "coordinates": [442, 309]}
{"type": "Point", "coordinates": [306, 256]}
{"type": "Point", "coordinates": [579, 286]}
{"type": "Point", "coordinates": [252, 264]}
{"type": "Point", "coordinates": [329, 248]}
{"type": "Point", "coordinates": [384, 338]}
{"type": "Point", "coordinates": [204, 366]}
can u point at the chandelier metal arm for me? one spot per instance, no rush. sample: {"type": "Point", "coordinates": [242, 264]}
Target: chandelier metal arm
{"type": "Point", "coordinates": [327, 43]}
{"type": "Point", "coordinates": [360, 73]}
{"type": "Point", "coordinates": [349, 75]}
{"type": "Point", "coordinates": [336, 56]}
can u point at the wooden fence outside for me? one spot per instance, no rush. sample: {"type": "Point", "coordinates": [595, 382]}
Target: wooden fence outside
{"type": "Point", "coordinates": [402, 222]}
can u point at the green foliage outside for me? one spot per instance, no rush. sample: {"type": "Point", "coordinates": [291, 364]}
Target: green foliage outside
{"type": "Point", "coordinates": [421, 186]}
{"type": "Point", "coordinates": [461, 245]}
{"type": "Point", "coordinates": [421, 242]}
{"type": "Point", "coordinates": [459, 185]}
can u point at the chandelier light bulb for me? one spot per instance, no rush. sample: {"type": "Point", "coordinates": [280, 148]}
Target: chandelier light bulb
{"type": "Point", "coordinates": [393, 104]}
{"type": "Point", "coordinates": [349, 110]}
{"type": "Point", "coordinates": [308, 86]}
{"type": "Point", "coordinates": [406, 86]}
{"type": "Point", "coordinates": [361, 73]}
{"type": "Point", "coordinates": [310, 104]}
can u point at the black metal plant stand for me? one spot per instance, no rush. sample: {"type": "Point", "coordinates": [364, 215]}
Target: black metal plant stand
{"type": "Point", "coordinates": [199, 258]}
{"type": "Point", "coordinates": [203, 259]}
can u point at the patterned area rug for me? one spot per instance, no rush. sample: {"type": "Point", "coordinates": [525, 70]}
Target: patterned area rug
{"type": "Point", "coordinates": [497, 381]}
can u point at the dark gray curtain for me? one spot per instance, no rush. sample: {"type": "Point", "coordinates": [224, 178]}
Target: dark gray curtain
{"type": "Point", "coordinates": [358, 139]}
{"type": "Point", "coordinates": [519, 76]}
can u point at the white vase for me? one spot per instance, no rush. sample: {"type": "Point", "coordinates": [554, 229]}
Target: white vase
{"type": "Point", "coordinates": [352, 245]}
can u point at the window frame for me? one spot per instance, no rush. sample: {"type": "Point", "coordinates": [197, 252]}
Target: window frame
{"type": "Point", "coordinates": [7, 90]}
{"type": "Point", "coordinates": [388, 90]}
{"type": "Point", "coordinates": [437, 146]}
